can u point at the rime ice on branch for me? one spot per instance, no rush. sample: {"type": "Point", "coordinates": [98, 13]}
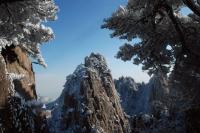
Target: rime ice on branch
{"type": "Point", "coordinates": [21, 24]}
{"type": "Point", "coordinates": [159, 24]}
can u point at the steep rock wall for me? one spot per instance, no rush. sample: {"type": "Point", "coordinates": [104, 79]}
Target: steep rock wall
{"type": "Point", "coordinates": [89, 102]}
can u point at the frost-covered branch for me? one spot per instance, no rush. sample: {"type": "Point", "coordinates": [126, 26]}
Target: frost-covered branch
{"type": "Point", "coordinates": [159, 25]}
{"type": "Point", "coordinates": [22, 24]}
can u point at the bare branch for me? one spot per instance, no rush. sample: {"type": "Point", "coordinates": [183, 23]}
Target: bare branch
{"type": "Point", "coordinates": [195, 8]}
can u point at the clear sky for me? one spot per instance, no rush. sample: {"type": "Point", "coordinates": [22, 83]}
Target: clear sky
{"type": "Point", "coordinates": [77, 34]}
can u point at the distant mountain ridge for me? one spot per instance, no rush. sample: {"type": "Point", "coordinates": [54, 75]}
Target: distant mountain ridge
{"type": "Point", "coordinates": [132, 95]}
{"type": "Point", "coordinates": [137, 98]}
{"type": "Point", "coordinates": [90, 103]}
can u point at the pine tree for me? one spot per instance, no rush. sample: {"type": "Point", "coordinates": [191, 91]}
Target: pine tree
{"type": "Point", "coordinates": [170, 43]}
{"type": "Point", "coordinates": [21, 24]}
{"type": "Point", "coordinates": [22, 27]}
{"type": "Point", "coordinates": [169, 40]}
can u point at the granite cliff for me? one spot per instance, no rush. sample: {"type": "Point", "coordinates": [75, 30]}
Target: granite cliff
{"type": "Point", "coordinates": [19, 110]}
{"type": "Point", "coordinates": [89, 102]}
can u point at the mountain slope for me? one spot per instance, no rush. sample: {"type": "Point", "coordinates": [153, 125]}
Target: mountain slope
{"type": "Point", "coordinates": [89, 102]}
{"type": "Point", "coordinates": [137, 98]}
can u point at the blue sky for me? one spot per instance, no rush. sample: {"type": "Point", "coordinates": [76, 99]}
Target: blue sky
{"type": "Point", "coordinates": [77, 34]}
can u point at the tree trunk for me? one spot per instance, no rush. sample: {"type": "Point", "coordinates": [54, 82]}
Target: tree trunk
{"type": "Point", "coordinates": [186, 89]}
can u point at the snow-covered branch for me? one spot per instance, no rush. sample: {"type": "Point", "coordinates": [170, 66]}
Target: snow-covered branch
{"type": "Point", "coordinates": [22, 24]}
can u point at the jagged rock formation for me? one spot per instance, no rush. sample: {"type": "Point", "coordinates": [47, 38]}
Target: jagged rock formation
{"type": "Point", "coordinates": [18, 62]}
{"type": "Point", "coordinates": [134, 96]}
{"type": "Point", "coordinates": [18, 114]}
{"type": "Point", "coordinates": [148, 107]}
{"type": "Point", "coordinates": [89, 102]}
{"type": "Point", "coordinates": [158, 96]}
{"type": "Point", "coordinates": [137, 98]}
{"type": "Point", "coordinates": [4, 84]}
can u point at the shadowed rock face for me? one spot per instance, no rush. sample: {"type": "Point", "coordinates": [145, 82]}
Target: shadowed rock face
{"type": "Point", "coordinates": [148, 106]}
{"type": "Point", "coordinates": [89, 102]}
{"type": "Point", "coordinates": [16, 111]}
{"type": "Point", "coordinates": [137, 98]}
{"type": "Point", "coordinates": [134, 96]}
{"type": "Point", "coordinates": [18, 62]}
{"type": "Point", "coordinates": [4, 84]}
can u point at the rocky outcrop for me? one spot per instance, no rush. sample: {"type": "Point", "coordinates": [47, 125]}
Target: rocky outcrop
{"type": "Point", "coordinates": [158, 96]}
{"type": "Point", "coordinates": [137, 98]}
{"type": "Point", "coordinates": [148, 106]}
{"type": "Point", "coordinates": [89, 102]}
{"type": "Point", "coordinates": [18, 62]}
{"type": "Point", "coordinates": [4, 84]}
{"type": "Point", "coordinates": [134, 96]}
{"type": "Point", "coordinates": [18, 114]}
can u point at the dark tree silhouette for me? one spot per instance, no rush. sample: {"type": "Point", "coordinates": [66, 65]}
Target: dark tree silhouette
{"type": "Point", "coordinates": [170, 43]}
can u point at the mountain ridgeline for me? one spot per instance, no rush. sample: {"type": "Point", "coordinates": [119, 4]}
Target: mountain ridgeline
{"type": "Point", "coordinates": [148, 106]}
{"type": "Point", "coordinates": [137, 98]}
{"type": "Point", "coordinates": [89, 102]}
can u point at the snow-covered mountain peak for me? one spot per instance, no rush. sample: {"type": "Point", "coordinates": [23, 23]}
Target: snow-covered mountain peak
{"type": "Point", "coordinates": [89, 101]}
{"type": "Point", "coordinates": [97, 62]}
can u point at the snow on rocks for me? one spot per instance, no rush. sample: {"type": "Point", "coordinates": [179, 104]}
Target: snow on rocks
{"type": "Point", "coordinates": [82, 105]}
